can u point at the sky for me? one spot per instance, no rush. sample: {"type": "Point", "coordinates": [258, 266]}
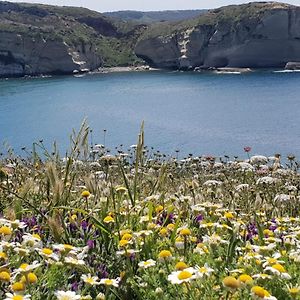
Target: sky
{"type": "Point", "coordinates": [144, 5]}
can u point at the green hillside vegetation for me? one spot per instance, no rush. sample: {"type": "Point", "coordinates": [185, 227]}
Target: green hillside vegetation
{"type": "Point", "coordinates": [114, 39]}
{"type": "Point", "coordinates": [232, 13]}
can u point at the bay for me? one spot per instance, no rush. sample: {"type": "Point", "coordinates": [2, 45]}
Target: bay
{"type": "Point", "coordinates": [199, 113]}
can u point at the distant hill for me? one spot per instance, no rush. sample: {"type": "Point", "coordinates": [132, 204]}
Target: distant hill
{"type": "Point", "coordinates": [155, 16]}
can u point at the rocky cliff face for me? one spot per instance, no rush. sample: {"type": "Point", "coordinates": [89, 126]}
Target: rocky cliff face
{"type": "Point", "coordinates": [254, 35]}
{"type": "Point", "coordinates": [24, 55]}
{"type": "Point", "coordinates": [42, 39]}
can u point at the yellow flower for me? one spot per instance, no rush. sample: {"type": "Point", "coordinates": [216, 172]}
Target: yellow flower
{"type": "Point", "coordinates": [246, 279]}
{"type": "Point", "coordinates": [4, 276]}
{"type": "Point", "coordinates": [185, 232]}
{"type": "Point", "coordinates": [181, 266]}
{"type": "Point", "coordinates": [163, 232]}
{"type": "Point", "coordinates": [32, 278]}
{"type": "Point", "coordinates": [164, 254]}
{"type": "Point", "coordinates": [184, 275]}
{"type": "Point", "coordinates": [127, 236]}
{"type": "Point", "coordinates": [279, 268]}
{"type": "Point", "coordinates": [85, 194]}
{"type": "Point", "coordinates": [171, 226]}
{"type": "Point", "coordinates": [268, 232]}
{"type": "Point", "coordinates": [3, 256]}
{"type": "Point", "coordinates": [231, 282]}
{"type": "Point", "coordinates": [159, 208]}
{"type": "Point", "coordinates": [294, 291]}
{"type": "Point", "coordinates": [47, 251]}
{"type": "Point", "coordinates": [123, 243]}
{"type": "Point", "coordinates": [36, 236]}
{"type": "Point", "coordinates": [18, 286]}
{"type": "Point", "coordinates": [228, 215]}
{"type": "Point", "coordinates": [108, 219]}
{"type": "Point", "coordinates": [5, 230]}
{"type": "Point", "coordinates": [260, 292]}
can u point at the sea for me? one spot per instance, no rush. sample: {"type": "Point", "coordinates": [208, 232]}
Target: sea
{"type": "Point", "coordinates": [183, 112]}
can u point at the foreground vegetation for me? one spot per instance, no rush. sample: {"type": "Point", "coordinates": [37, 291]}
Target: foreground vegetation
{"type": "Point", "coordinates": [140, 225]}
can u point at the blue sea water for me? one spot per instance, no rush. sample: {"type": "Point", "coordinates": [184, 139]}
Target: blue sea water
{"type": "Point", "coordinates": [199, 113]}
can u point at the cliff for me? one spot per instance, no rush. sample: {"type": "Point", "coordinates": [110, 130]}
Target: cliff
{"type": "Point", "coordinates": [43, 39]}
{"type": "Point", "coordinates": [254, 35]}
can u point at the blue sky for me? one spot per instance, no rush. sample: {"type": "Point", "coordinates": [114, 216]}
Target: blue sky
{"type": "Point", "coordinates": [110, 5]}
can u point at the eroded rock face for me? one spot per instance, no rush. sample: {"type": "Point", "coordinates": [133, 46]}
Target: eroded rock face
{"type": "Point", "coordinates": [24, 55]}
{"type": "Point", "coordinates": [268, 35]}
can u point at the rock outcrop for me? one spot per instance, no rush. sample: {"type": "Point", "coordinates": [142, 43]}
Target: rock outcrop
{"type": "Point", "coordinates": [24, 55]}
{"type": "Point", "coordinates": [254, 35]}
{"type": "Point", "coordinates": [43, 39]}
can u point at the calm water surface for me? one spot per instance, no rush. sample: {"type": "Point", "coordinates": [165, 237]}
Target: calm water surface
{"type": "Point", "coordinates": [196, 113]}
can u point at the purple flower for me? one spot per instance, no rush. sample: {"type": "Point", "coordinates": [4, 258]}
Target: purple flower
{"type": "Point", "coordinates": [74, 286]}
{"type": "Point", "coordinates": [91, 244]}
{"type": "Point", "coordinates": [84, 225]}
{"type": "Point", "coordinates": [199, 218]}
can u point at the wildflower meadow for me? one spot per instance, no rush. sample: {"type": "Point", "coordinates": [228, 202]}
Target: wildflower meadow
{"type": "Point", "coordinates": [139, 224]}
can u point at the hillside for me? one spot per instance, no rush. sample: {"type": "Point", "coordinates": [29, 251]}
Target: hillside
{"type": "Point", "coordinates": [38, 39]}
{"type": "Point", "coordinates": [44, 39]}
{"type": "Point", "coordinates": [149, 17]}
{"type": "Point", "coordinates": [254, 35]}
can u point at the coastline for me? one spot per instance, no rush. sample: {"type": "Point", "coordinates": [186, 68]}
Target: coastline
{"type": "Point", "coordinates": [146, 68]}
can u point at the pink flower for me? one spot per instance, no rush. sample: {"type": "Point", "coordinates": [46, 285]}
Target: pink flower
{"type": "Point", "coordinates": [247, 149]}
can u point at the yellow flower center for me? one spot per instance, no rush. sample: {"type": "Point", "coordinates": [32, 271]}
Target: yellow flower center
{"type": "Point", "coordinates": [90, 280]}
{"type": "Point", "coordinates": [47, 251]}
{"type": "Point", "coordinates": [279, 268]}
{"type": "Point", "coordinates": [123, 243]}
{"type": "Point", "coordinates": [108, 282]}
{"type": "Point", "coordinates": [185, 232]}
{"type": "Point", "coordinates": [260, 292]}
{"type": "Point", "coordinates": [163, 231]}
{"type": "Point", "coordinates": [231, 282]}
{"type": "Point", "coordinates": [5, 230]}
{"type": "Point", "coordinates": [5, 276]}
{"type": "Point", "coordinates": [68, 247]}
{"type": "Point", "coordinates": [294, 290]}
{"type": "Point", "coordinates": [18, 287]}
{"type": "Point", "coordinates": [3, 255]}
{"type": "Point", "coordinates": [203, 270]}
{"type": "Point", "coordinates": [164, 254]}
{"type": "Point", "coordinates": [24, 266]}
{"type": "Point", "coordinates": [35, 235]}
{"type": "Point", "coordinates": [272, 261]}
{"type": "Point", "coordinates": [228, 215]}
{"type": "Point", "coordinates": [127, 236]}
{"type": "Point", "coordinates": [17, 297]}
{"type": "Point", "coordinates": [159, 208]}
{"type": "Point", "coordinates": [245, 278]}
{"type": "Point", "coordinates": [108, 219]}
{"type": "Point", "coordinates": [170, 226]}
{"type": "Point", "coordinates": [184, 275]}
{"type": "Point", "coordinates": [32, 278]}
{"type": "Point", "coordinates": [85, 194]}
{"type": "Point", "coordinates": [181, 265]}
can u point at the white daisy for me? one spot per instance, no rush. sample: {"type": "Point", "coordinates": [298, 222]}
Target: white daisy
{"type": "Point", "coordinates": [147, 264]}
{"type": "Point", "coordinates": [69, 295]}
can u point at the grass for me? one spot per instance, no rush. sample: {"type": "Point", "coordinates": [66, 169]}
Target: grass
{"type": "Point", "coordinates": [142, 225]}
